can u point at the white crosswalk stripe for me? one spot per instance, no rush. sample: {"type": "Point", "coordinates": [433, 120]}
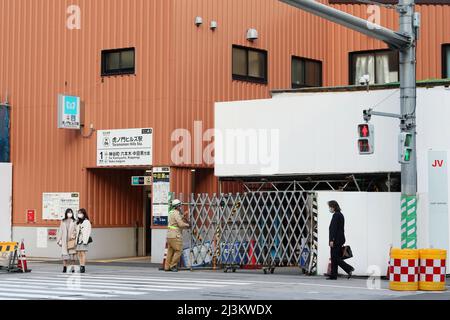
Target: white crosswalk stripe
{"type": "Point", "coordinates": [99, 286]}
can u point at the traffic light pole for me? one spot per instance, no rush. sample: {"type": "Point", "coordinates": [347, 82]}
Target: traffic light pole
{"type": "Point", "coordinates": [405, 41]}
{"type": "Point", "coordinates": [408, 124]}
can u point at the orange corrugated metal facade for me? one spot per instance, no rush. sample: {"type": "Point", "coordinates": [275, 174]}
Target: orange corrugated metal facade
{"type": "Point", "coordinates": [181, 70]}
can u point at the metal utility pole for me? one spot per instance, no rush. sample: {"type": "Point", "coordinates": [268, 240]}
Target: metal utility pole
{"type": "Point", "coordinates": [405, 41]}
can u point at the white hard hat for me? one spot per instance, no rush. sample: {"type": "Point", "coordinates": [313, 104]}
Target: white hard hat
{"type": "Point", "coordinates": [176, 203]}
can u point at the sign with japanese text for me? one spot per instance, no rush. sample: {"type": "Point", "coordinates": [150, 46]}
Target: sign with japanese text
{"type": "Point", "coordinates": [69, 112]}
{"type": "Point", "coordinates": [54, 205]}
{"type": "Point", "coordinates": [125, 147]}
{"type": "Point", "coordinates": [161, 192]}
{"type": "Point", "coordinates": [31, 216]}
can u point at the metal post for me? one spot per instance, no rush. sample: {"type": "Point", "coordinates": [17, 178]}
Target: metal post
{"type": "Point", "coordinates": [408, 111]}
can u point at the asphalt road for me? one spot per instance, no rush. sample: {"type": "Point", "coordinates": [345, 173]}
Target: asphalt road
{"type": "Point", "coordinates": [134, 282]}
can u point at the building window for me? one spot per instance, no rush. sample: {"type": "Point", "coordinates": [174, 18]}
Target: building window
{"type": "Point", "coordinates": [382, 66]}
{"type": "Point", "coordinates": [118, 62]}
{"type": "Point", "coordinates": [306, 73]}
{"type": "Point", "coordinates": [446, 61]}
{"type": "Point", "coordinates": [249, 64]}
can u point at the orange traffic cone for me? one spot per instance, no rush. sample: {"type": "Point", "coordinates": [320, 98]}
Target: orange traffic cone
{"type": "Point", "coordinates": [23, 265]}
{"type": "Point", "coordinates": [388, 273]}
{"type": "Point", "coordinates": [251, 254]}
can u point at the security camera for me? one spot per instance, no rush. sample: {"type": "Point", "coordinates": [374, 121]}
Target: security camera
{"type": "Point", "coordinates": [198, 21]}
{"type": "Point", "coordinates": [252, 34]}
{"type": "Point", "coordinates": [364, 80]}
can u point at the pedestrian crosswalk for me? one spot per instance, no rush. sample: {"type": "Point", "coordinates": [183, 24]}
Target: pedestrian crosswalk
{"type": "Point", "coordinates": [48, 286]}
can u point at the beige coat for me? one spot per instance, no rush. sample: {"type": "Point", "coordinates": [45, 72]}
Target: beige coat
{"type": "Point", "coordinates": [65, 235]}
{"type": "Point", "coordinates": [176, 224]}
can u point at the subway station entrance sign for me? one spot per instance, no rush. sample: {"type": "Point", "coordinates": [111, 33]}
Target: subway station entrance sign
{"type": "Point", "coordinates": [125, 147]}
{"type": "Point", "coordinates": [69, 112]}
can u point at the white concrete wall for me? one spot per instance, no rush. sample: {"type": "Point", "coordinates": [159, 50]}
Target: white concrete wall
{"type": "Point", "coordinates": [318, 131]}
{"type": "Point", "coordinates": [372, 224]}
{"type": "Point", "coordinates": [109, 243]}
{"type": "Point", "coordinates": [5, 201]}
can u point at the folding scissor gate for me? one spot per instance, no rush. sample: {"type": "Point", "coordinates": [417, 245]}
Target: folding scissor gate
{"type": "Point", "coordinates": [264, 229]}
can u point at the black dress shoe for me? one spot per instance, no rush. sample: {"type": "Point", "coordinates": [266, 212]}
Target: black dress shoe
{"type": "Point", "coordinates": [64, 269]}
{"type": "Point", "coordinates": [332, 278]}
{"type": "Point", "coordinates": [350, 273]}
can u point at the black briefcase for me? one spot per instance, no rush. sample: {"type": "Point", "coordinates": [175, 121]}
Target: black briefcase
{"type": "Point", "coordinates": [347, 252]}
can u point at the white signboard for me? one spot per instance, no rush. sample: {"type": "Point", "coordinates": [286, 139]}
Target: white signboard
{"type": "Point", "coordinates": [438, 198]}
{"type": "Point", "coordinates": [54, 205]}
{"type": "Point", "coordinates": [5, 201]}
{"type": "Point", "coordinates": [161, 190]}
{"type": "Point", "coordinates": [127, 147]}
{"type": "Point", "coordinates": [41, 237]}
{"type": "Point", "coordinates": [69, 111]}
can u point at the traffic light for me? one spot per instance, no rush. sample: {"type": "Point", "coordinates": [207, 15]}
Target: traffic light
{"type": "Point", "coordinates": [405, 147]}
{"type": "Point", "coordinates": [366, 138]}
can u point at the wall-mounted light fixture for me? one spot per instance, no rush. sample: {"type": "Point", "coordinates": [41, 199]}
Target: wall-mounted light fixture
{"type": "Point", "coordinates": [213, 25]}
{"type": "Point", "coordinates": [198, 21]}
{"type": "Point", "coordinates": [252, 34]}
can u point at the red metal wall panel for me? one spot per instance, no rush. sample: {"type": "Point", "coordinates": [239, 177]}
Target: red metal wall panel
{"type": "Point", "coordinates": [181, 70]}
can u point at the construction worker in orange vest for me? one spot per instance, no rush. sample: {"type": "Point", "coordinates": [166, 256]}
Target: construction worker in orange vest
{"type": "Point", "coordinates": [177, 222]}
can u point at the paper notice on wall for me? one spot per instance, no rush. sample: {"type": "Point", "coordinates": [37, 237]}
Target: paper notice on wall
{"type": "Point", "coordinates": [160, 194]}
{"type": "Point", "coordinates": [54, 205]}
{"type": "Point", "coordinates": [41, 237]}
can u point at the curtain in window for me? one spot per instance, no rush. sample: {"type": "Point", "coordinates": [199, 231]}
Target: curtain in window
{"type": "Point", "coordinates": [364, 64]}
{"type": "Point", "coordinates": [383, 74]}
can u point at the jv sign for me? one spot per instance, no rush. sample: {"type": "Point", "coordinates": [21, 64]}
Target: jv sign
{"type": "Point", "coordinates": [438, 193]}
{"type": "Point", "coordinates": [69, 111]}
{"type": "Point", "coordinates": [438, 164]}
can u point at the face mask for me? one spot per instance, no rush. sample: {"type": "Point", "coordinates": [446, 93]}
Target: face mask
{"type": "Point", "coordinates": [331, 210]}
{"type": "Point", "coordinates": [70, 215]}
{"type": "Point", "coordinates": [80, 216]}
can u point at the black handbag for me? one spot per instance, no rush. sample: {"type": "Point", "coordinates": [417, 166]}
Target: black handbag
{"type": "Point", "coordinates": [347, 252]}
{"type": "Point", "coordinates": [89, 241]}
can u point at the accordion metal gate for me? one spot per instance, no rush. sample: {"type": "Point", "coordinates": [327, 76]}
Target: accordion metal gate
{"type": "Point", "coordinates": [256, 230]}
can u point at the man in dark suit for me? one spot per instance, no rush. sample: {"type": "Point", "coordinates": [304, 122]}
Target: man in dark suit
{"type": "Point", "coordinates": [337, 241]}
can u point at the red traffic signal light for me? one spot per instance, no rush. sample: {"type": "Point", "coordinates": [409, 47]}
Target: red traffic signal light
{"type": "Point", "coordinates": [366, 138]}
{"type": "Point", "coordinates": [364, 130]}
{"type": "Point", "coordinates": [364, 146]}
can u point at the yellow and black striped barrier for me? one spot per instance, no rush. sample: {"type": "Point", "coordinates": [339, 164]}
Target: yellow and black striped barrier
{"type": "Point", "coordinates": [8, 247]}
{"type": "Point", "coordinates": [10, 251]}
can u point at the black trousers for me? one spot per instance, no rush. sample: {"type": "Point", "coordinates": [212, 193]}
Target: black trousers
{"type": "Point", "coordinates": [336, 261]}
